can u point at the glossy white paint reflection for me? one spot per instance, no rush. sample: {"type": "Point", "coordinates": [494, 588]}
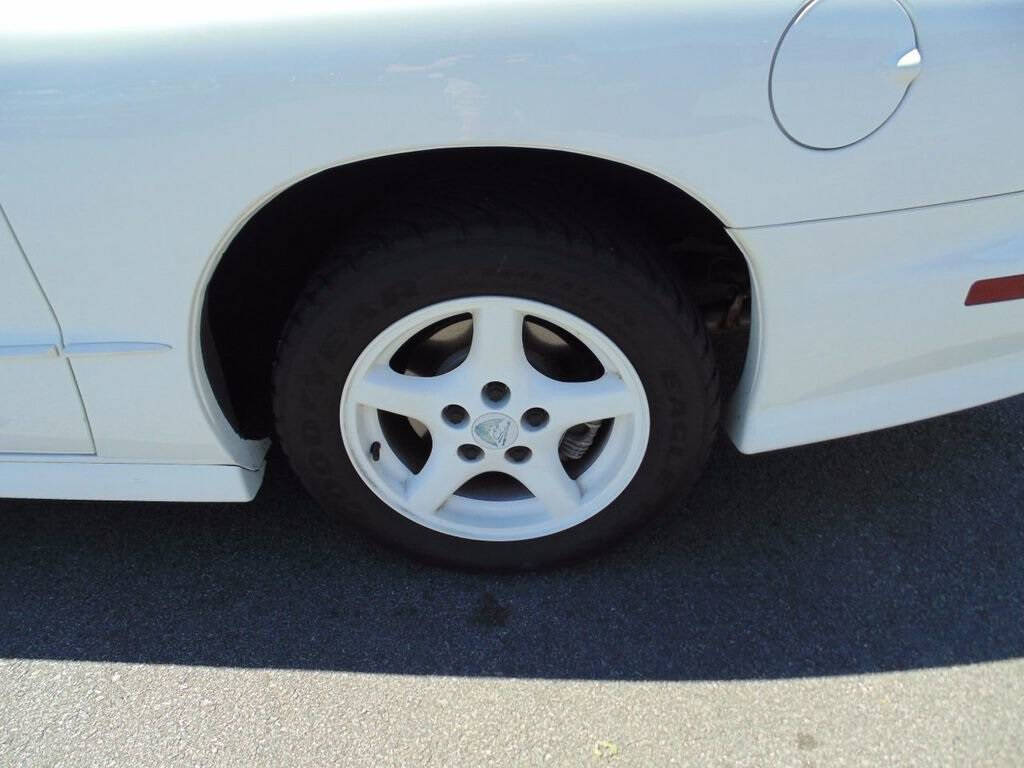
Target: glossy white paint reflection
{"type": "Point", "coordinates": [73, 18]}
{"type": "Point", "coordinates": [910, 61]}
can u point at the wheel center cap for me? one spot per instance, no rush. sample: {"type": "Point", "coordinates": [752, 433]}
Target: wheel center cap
{"type": "Point", "coordinates": [495, 431]}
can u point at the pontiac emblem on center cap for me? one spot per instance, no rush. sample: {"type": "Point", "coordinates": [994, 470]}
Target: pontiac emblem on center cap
{"type": "Point", "coordinates": [495, 430]}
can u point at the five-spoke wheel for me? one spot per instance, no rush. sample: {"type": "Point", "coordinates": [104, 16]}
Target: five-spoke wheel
{"type": "Point", "coordinates": [498, 465]}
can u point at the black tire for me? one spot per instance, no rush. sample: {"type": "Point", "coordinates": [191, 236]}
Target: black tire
{"type": "Point", "coordinates": [582, 263]}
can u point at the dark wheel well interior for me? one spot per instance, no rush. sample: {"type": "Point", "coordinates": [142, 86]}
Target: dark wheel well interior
{"type": "Point", "coordinates": [257, 281]}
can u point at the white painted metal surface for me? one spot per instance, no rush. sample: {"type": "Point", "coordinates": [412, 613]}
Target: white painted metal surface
{"type": "Point", "coordinates": [491, 429]}
{"type": "Point", "coordinates": [140, 407]}
{"type": "Point", "coordinates": [61, 478]}
{"type": "Point", "coordinates": [138, 137]}
{"type": "Point", "coordinates": [861, 322]}
{"type": "Point", "coordinates": [25, 318]}
{"type": "Point", "coordinates": [40, 410]}
{"type": "Point", "coordinates": [39, 407]}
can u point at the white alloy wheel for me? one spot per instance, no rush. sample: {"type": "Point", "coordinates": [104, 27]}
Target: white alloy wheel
{"type": "Point", "coordinates": [440, 446]}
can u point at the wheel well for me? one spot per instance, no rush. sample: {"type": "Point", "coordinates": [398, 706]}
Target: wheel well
{"type": "Point", "coordinates": [266, 265]}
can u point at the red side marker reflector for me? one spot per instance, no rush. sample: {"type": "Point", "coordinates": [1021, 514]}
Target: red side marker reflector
{"type": "Point", "coordinates": [996, 289]}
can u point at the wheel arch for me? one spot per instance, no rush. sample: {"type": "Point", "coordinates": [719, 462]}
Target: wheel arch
{"type": "Point", "coordinates": [255, 275]}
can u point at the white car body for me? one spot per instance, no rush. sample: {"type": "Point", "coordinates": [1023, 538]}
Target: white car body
{"type": "Point", "coordinates": [138, 139]}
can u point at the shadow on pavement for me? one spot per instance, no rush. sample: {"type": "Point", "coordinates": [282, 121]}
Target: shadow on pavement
{"type": "Point", "coordinates": [898, 550]}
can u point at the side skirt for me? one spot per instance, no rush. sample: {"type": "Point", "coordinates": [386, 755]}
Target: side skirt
{"type": "Point", "coordinates": [94, 481]}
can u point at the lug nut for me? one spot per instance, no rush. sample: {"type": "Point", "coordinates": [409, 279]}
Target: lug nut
{"type": "Point", "coordinates": [495, 392]}
{"type": "Point", "coordinates": [454, 415]}
{"type": "Point", "coordinates": [518, 454]}
{"type": "Point", "coordinates": [469, 452]}
{"type": "Point", "coordinates": [535, 418]}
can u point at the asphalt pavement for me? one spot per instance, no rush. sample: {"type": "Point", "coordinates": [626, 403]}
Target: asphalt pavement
{"type": "Point", "coordinates": [859, 602]}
